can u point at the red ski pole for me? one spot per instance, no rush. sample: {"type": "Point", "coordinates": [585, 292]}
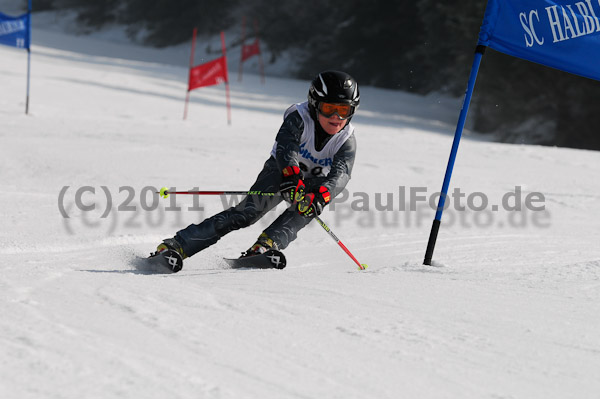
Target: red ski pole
{"type": "Point", "coordinates": [361, 266]}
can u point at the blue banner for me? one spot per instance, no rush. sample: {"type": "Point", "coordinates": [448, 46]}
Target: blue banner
{"type": "Point", "coordinates": [14, 31]}
{"type": "Point", "coordinates": [561, 34]}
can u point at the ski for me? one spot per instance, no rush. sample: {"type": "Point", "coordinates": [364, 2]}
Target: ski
{"type": "Point", "coordinates": [272, 259]}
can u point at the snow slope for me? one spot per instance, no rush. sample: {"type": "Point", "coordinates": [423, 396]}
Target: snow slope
{"type": "Point", "coordinates": [509, 311]}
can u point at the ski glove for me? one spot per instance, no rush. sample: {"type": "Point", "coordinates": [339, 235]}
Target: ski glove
{"type": "Point", "coordinates": [292, 187]}
{"type": "Point", "coordinates": [313, 203]}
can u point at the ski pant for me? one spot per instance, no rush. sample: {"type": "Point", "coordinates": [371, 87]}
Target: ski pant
{"type": "Point", "coordinates": [282, 231]}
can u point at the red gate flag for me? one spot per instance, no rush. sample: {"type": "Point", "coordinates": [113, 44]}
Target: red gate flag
{"type": "Point", "coordinates": [208, 74]}
{"type": "Point", "coordinates": [248, 50]}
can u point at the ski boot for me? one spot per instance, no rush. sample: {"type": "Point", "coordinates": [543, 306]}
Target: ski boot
{"type": "Point", "coordinates": [171, 244]}
{"type": "Point", "coordinates": [264, 254]}
{"type": "Point", "coordinates": [262, 245]}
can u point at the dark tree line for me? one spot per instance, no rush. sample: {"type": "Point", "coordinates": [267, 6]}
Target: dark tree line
{"type": "Point", "coordinates": [160, 23]}
{"type": "Point", "coordinates": [419, 46]}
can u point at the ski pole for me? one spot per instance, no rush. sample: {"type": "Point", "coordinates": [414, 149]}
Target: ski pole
{"type": "Point", "coordinates": [164, 192]}
{"type": "Point", "coordinates": [361, 266]}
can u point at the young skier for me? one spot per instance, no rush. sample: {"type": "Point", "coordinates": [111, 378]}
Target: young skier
{"type": "Point", "coordinates": [310, 163]}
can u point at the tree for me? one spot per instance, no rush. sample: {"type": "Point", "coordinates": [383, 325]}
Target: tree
{"type": "Point", "coordinates": [168, 23]}
{"type": "Point", "coordinates": [516, 99]}
{"type": "Point", "coordinates": [419, 46]}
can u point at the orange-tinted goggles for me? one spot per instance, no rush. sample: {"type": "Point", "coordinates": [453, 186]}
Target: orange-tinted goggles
{"type": "Point", "coordinates": [344, 111]}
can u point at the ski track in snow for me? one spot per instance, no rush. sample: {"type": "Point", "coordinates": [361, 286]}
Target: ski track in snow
{"type": "Point", "coordinates": [508, 310]}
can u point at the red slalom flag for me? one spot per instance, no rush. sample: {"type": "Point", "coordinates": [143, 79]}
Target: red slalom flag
{"type": "Point", "coordinates": [249, 50]}
{"type": "Point", "coordinates": [208, 74]}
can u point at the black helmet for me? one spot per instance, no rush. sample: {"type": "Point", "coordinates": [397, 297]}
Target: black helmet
{"type": "Point", "coordinates": [333, 87]}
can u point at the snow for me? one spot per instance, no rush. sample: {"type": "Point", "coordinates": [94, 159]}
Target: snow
{"type": "Point", "coordinates": [510, 309]}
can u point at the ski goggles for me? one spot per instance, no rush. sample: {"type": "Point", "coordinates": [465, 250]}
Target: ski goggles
{"type": "Point", "coordinates": [344, 111]}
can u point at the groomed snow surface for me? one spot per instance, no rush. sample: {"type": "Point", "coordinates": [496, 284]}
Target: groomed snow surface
{"type": "Point", "coordinates": [510, 309]}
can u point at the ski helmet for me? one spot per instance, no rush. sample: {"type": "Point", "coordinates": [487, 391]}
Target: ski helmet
{"type": "Point", "coordinates": [334, 87]}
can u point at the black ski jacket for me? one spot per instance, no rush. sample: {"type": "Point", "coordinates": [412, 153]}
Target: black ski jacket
{"type": "Point", "coordinates": [288, 153]}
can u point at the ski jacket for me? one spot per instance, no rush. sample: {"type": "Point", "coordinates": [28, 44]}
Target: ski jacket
{"type": "Point", "coordinates": [295, 145]}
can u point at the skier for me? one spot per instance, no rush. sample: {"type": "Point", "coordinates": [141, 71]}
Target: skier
{"type": "Point", "coordinates": [310, 163]}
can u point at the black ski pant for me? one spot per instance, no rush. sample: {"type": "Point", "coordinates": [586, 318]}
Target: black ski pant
{"type": "Point", "coordinates": [283, 230]}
